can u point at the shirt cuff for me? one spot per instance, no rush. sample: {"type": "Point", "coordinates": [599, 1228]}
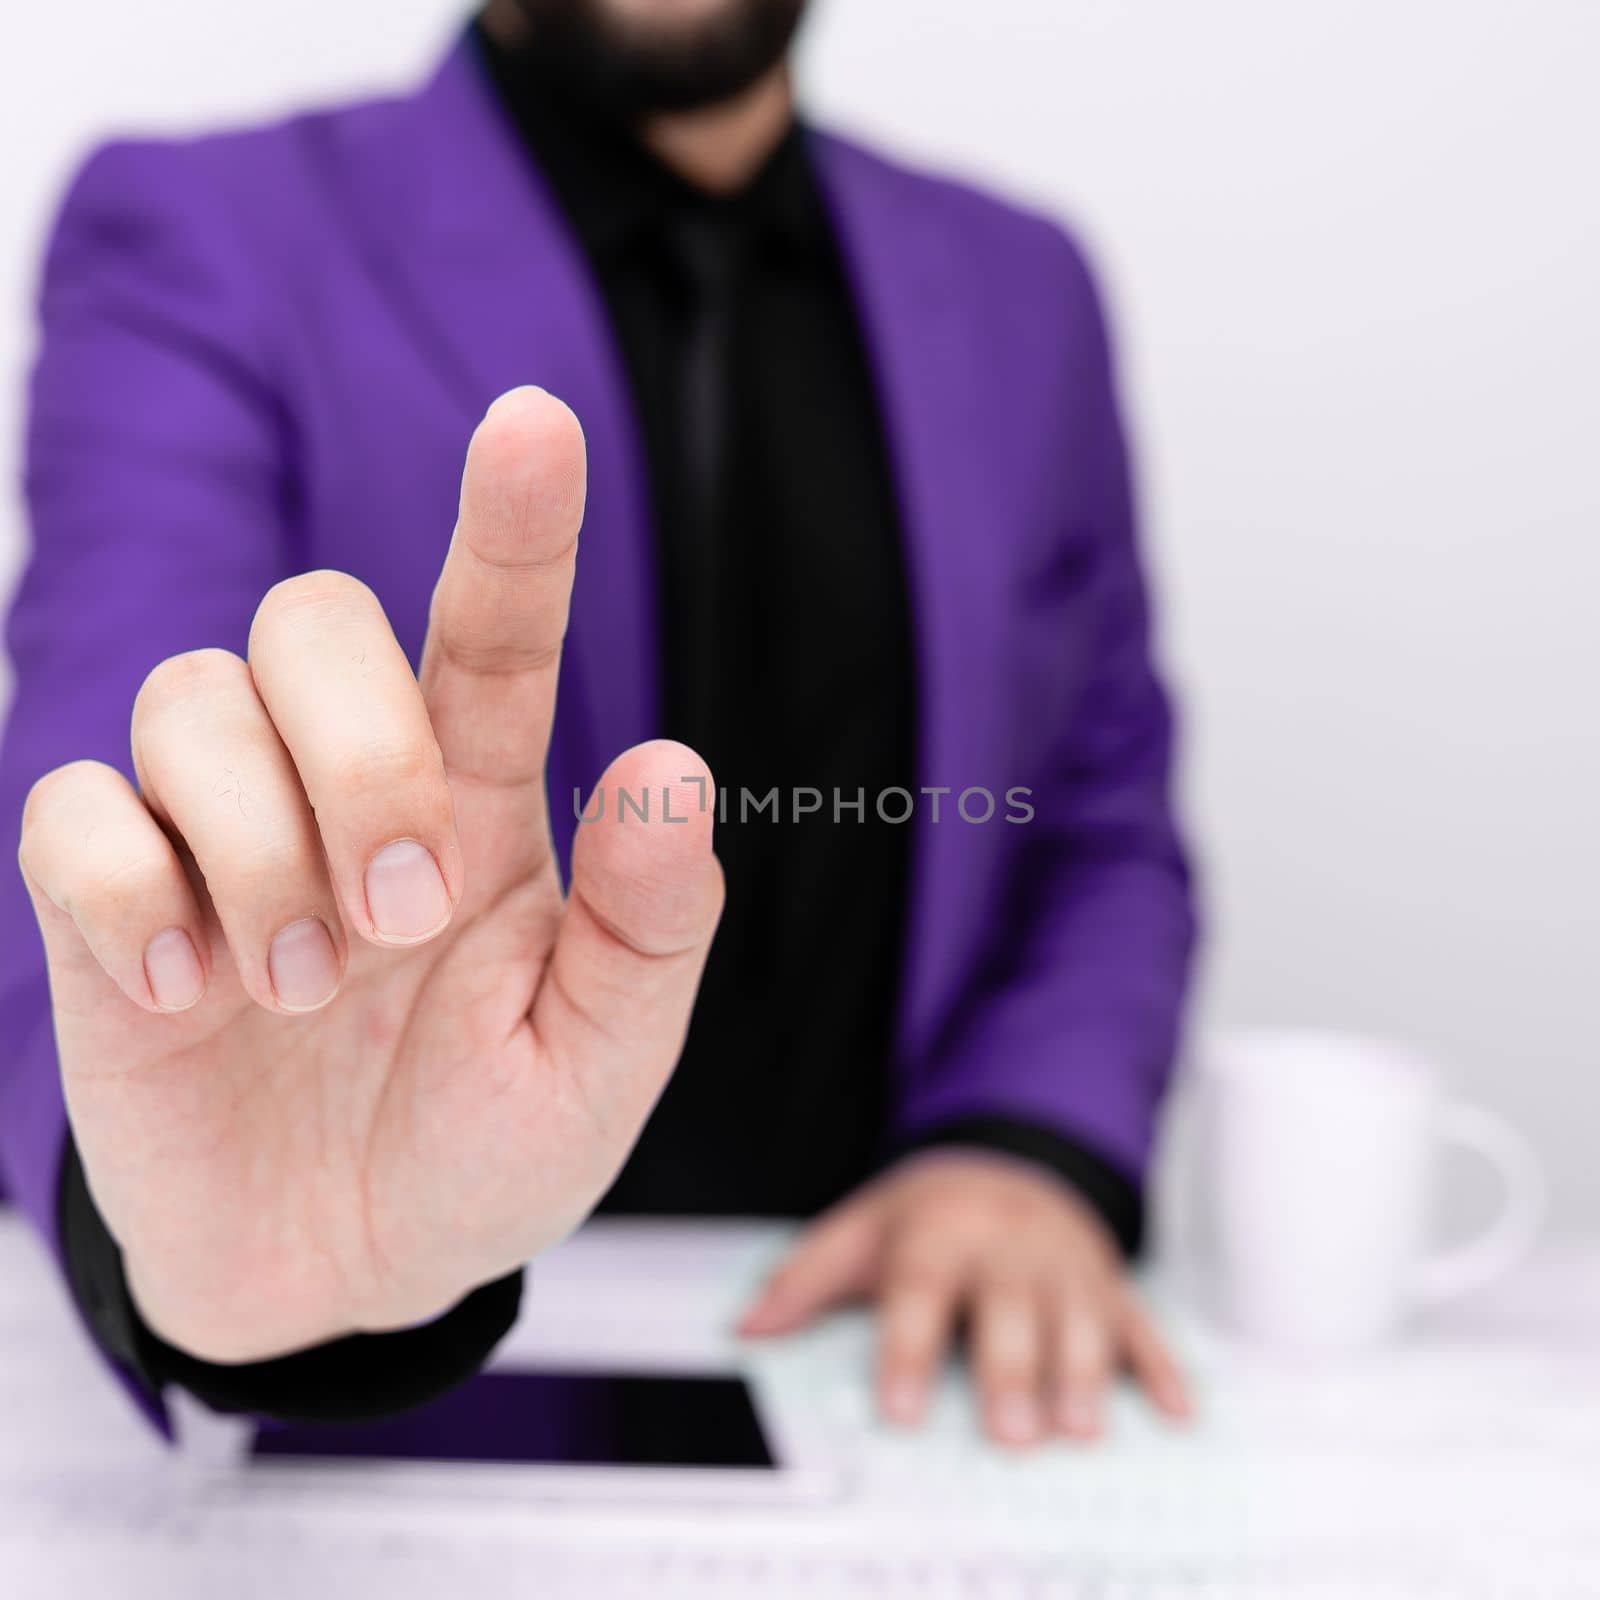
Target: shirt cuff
{"type": "Point", "coordinates": [358, 1378]}
{"type": "Point", "coordinates": [1114, 1196]}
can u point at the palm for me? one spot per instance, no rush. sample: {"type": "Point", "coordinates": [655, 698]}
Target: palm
{"type": "Point", "coordinates": [290, 1168]}
{"type": "Point", "coordinates": [458, 1105]}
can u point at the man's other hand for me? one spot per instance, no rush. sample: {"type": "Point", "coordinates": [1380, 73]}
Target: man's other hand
{"type": "Point", "coordinates": [956, 1237]}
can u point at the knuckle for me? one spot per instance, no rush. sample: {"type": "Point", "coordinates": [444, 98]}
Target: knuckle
{"type": "Point", "coordinates": [959, 1219]}
{"type": "Point", "coordinates": [309, 599]}
{"type": "Point", "coordinates": [784, 1284]}
{"type": "Point", "coordinates": [52, 793]}
{"type": "Point", "coordinates": [1098, 1251]}
{"type": "Point", "coordinates": [1087, 1354]}
{"type": "Point", "coordinates": [652, 913]}
{"type": "Point", "coordinates": [921, 1286]}
{"type": "Point", "coordinates": [182, 679]}
{"type": "Point", "coordinates": [1027, 1256]}
{"type": "Point", "coordinates": [926, 1256]}
{"type": "Point", "coordinates": [121, 896]}
{"type": "Point", "coordinates": [269, 873]}
{"type": "Point", "coordinates": [407, 767]}
{"type": "Point", "coordinates": [793, 1275]}
{"type": "Point", "coordinates": [1080, 1371]}
{"type": "Point", "coordinates": [909, 1346]}
{"type": "Point", "coordinates": [905, 1366]}
{"type": "Point", "coordinates": [1004, 1373]}
{"type": "Point", "coordinates": [1097, 1273]}
{"type": "Point", "coordinates": [502, 657]}
{"type": "Point", "coordinates": [1007, 1296]}
{"type": "Point", "coordinates": [1002, 1326]}
{"type": "Point", "coordinates": [57, 817]}
{"type": "Point", "coordinates": [1009, 1211]}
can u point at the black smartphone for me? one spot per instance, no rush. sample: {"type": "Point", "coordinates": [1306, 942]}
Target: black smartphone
{"type": "Point", "coordinates": [694, 1421]}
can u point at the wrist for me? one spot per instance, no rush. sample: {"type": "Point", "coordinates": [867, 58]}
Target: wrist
{"type": "Point", "coordinates": [1113, 1193]}
{"type": "Point", "coordinates": [238, 1319]}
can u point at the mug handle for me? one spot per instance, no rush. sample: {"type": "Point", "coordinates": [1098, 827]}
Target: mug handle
{"type": "Point", "coordinates": [1507, 1239]}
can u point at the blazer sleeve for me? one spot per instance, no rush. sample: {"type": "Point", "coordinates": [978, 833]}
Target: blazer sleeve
{"type": "Point", "coordinates": [1073, 1030]}
{"type": "Point", "coordinates": [161, 494]}
{"type": "Point", "coordinates": [154, 485]}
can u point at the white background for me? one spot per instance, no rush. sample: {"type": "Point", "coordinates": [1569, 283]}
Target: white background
{"type": "Point", "coordinates": [1354, 248]}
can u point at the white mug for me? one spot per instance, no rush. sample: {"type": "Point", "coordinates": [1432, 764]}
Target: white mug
{"type": "Point", "coordinates": [1314, 1165]}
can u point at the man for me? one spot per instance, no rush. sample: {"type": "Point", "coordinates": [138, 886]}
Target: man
{"type": "Point", "coordinates": [338, 1054]}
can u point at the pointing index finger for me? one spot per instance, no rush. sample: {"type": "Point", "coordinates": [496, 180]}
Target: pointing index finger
{"type": "Point", "coordinates": [499, 611]}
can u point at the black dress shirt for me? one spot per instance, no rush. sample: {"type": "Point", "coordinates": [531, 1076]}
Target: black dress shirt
{"type": "Point", "coordinates": [788, 663]}
{"type": "Point", "coordinates": [796, 678]}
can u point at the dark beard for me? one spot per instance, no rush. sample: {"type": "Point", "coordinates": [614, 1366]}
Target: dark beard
{"type": "Point", "coordinates": [627, 70]}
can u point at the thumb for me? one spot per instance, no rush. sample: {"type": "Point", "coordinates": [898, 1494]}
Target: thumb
{"type": "Point", "coordinates": [836, 1261]}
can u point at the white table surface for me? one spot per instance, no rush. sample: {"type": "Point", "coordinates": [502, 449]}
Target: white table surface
{"type": "Point", "coordinates": [1462, 1461]}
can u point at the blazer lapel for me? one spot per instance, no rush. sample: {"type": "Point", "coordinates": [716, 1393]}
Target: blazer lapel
{"type": "Point", "coordinates": [927, 357]}
{"type": "Point", "coordinates": [464, 229]}
{"type": "Point", "coordinates": [499, 289]}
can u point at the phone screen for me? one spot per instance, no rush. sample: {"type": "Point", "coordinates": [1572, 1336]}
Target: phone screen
{"type": "Point", "coordinates": [553, 1418]}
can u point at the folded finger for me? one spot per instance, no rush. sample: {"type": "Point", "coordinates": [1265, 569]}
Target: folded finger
{"type": "Point", "coordinates": [344, 703]}
{"type": "Point", "coordinates": [113, 900]}
{"type": "Point", "coordinates": [211, 764]}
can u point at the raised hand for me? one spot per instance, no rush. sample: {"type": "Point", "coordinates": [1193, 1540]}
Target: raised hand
{"type": "Point", "coordinates": [335, 1048]}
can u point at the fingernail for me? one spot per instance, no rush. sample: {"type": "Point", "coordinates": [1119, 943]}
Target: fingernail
{"type": "Point", "coordinates": [1015, 1418]}
{"type": "Point", "coordinates": [303, 965]}
{"type": "Point", "coordinates": [173, 970]}
{"type": "Point", "coordinates": [1080, 1417]}
{"type": "Point", "coordinates": [902, 1400]}
{"type": "Point", "coordinates": [406, 896]}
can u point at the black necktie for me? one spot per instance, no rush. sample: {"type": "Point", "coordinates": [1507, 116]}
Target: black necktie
{"type": "Point", "coordinates": [707, 249]}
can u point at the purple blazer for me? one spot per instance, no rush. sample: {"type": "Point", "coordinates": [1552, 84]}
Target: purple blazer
{"type": "Point", "coordinates": [265, 351]}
